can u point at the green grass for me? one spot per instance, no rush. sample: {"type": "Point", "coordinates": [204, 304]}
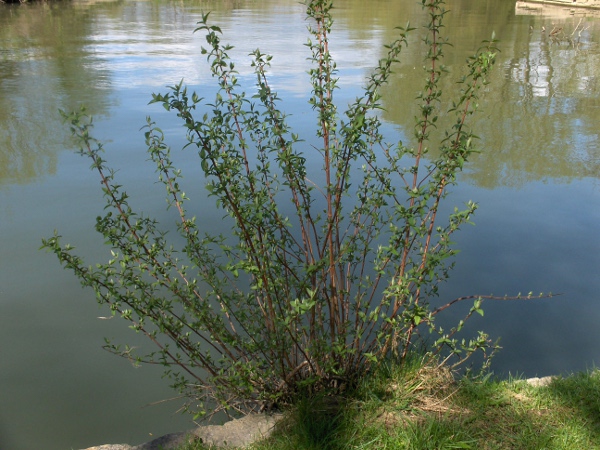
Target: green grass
{"type": "Point", "coordinates": [421, 407]}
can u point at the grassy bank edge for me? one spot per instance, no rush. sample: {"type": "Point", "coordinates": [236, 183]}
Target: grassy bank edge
{"type": "Point", "coordinates": [420, 406]}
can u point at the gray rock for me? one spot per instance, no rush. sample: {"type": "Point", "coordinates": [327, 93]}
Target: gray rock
{"type": "Point", "coordinates": [111, 447]}
{"type": "Point", "coordinates": [236, 433]}
{"type": "Point", "coordinates": [539, 382]}
{"type": "Point", "coordinates": [168, 441]}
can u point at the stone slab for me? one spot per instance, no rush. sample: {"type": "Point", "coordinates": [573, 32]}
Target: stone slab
{"type": "Point", "coordinates": [235, 433]}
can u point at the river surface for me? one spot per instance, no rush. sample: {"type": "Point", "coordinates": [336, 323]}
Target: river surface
{"type": "Point", "coordinates": [537, 182]}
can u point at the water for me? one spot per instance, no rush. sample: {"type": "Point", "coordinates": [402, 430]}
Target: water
{"type": "Point", "coordinates": [537, 183]}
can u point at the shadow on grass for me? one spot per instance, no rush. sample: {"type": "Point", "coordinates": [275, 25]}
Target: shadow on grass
{"type": "Point", "coordinates": [425, 408]}
{"type": "Point", "coordinates": [580, 393]}
{"type": "Point", "coordinates": [319, 423]}
{"type": "Point", "coordinates": [512, 414]}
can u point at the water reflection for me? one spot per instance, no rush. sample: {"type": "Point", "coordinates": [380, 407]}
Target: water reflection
{"type": "Point", "coordinates": [44, 67]}
{"type": "Point", "coordinates": [538, 121]}
{"type": "Point", "coordinates": [544, 110]}
{"type": "Point", "coordinates": [55, 57]}
{"type": "Point", "coordinates": [539, 128]}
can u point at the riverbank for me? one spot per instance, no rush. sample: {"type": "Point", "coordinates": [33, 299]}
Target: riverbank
{"type": "Point", "coordinates": [558, 8]}
{"type": "Point", "coordinates": [590, 4]}
{"type": "Point", "coordinates": [426, 408]}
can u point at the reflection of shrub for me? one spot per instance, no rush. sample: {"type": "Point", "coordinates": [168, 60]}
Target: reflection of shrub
{"type": "Point", "coordinates": [289, 303]}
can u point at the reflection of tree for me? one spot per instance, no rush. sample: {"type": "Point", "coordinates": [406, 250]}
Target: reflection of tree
{"type": "Point", "coordinates": [543, 121]}
{"type": "Point", "coordinates": [44, 68]}
{"type": "Point", "coordinates": [539, 118]}
{"type": "Point", "coordinates": [49, 60]}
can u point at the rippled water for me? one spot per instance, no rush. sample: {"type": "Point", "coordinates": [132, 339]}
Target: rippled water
{"type": "Point", "coordinates": [537, 183]}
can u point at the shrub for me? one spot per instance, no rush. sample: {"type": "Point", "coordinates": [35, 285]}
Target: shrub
{"type": "Point", "coordinates": [290, 304]}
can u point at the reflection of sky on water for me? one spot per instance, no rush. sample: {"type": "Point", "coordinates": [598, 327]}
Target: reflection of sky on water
{"type": "Point", "coordinates": [138, 55]}
{"type": "Point", "coordinates": [539, 238]}
{"type": "Point", "coordinates": [536, 183]}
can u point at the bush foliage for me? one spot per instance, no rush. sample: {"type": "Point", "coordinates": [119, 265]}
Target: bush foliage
{"type": "Point", "coordinates": [287, 304]}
